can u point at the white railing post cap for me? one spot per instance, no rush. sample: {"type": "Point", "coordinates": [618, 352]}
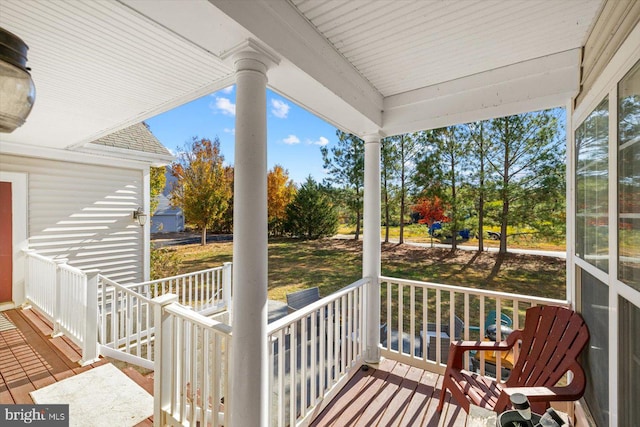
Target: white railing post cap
{"type": "Point", "coordinates": [165, 299]}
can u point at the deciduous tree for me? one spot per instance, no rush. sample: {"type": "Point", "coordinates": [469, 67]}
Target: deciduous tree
{"type": "Point", "coordinates": [158, 180]}
{"type": "Point", "coordinates": [203, 189]}
{"type": "Point", "coordinates": [430, 210]}
{"type": "Point", "coordinates": [280, 192]}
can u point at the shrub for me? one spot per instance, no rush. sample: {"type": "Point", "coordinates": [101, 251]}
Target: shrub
{"type": "Point", "coordinates": [165, 262]}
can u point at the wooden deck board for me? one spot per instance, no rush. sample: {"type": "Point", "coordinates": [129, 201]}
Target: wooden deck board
{"type": "Point", "coordinates": [348, 393]}
{"type": "Point", "coordinates": [30, 359]}
{"type": "Point", "coordinates": [400, 402]}
{"type": "Point", "coordinates": [384, 397]}
{"type": "Point", "coordinates": [394, 394]}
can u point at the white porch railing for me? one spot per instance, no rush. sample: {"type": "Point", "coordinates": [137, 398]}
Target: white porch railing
{"type": "Point", "coordinates": [416, 318]}
{"type": "Point", "coordinates": [40, 283]}
{"type": "Point", "coordinates": [206, 291]}
{"type": "Point", "coordinates": [67, 296]}
{"type": "Point", "coordinates": [313, 353]}
{"type": "Point", "coordinates": [125, 324]}
{"type": "Point", "coordinates": [191, 367]}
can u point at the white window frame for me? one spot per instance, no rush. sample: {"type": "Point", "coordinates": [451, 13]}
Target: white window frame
{"type": "Point", "coordinates": [606, 84]}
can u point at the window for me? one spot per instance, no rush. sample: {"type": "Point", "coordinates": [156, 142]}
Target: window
{"type": "Point", "coordinates": [594, 307]}
{"type": "Point", "coordinates": [592, 181]}
{"type": "Point", "coordinates": [629, 364]}
{"type": "Point", "coordinates": [629, 178]}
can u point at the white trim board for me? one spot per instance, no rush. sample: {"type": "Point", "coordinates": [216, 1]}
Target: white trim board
{"type": "Point", "coordinates": [19, 208]}
{"type": "Point", "coordinates": [10, 148]}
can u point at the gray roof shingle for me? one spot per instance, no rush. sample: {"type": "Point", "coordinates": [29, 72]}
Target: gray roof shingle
{"type": "Point", "coordinates": [136, 137]}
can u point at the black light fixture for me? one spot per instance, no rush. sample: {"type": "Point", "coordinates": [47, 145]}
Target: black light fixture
{"type": "Point", "coordinates": [140, 217]}
{"type": "Point", "coordinates": [17, 92]}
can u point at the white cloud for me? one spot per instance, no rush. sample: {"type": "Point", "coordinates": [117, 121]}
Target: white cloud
{"type": "Point", "coordinates": [232, 131]}
{"type": "Point", "coordinates": [322, 141]}
{"type": "Point", "coordinates": [280, 108]}
{"type": "Point", "coordinates": [291, 139]}
{"type": "Point", "coordinates": [225, 106]}
{"type": "Point", "coordinates": [227, 89]}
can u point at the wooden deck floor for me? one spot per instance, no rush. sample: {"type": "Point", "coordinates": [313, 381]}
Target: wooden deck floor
{"type": "Point", "coordinates": [30, 359]}
{"type": "Point", "coordinates": [395, 394]}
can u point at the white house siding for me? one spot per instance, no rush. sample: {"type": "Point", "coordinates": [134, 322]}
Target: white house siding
{"type": "Point", "coordinates": [617, 19]}
{"type": "Point", "coordinates": [83, 212]}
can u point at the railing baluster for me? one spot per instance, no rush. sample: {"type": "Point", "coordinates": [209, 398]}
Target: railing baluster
{"type": "Point", "coordinates": [482, 333]}
{"type": "Point", "coordinates": [389, 312]}
{"type": "Point", "coordinates": [304, 342]}
{"type": "Point", "coordinates": [412, 320]}
{"type": "Point", "coordinates": [498, 339]}
{"type": "Point", "coordinates": [425, 322]}
{"type": "Point", "coordinates": [281, 376]}
{"type": "Point", "coordinates": [314, 360]}
{"type": "Point", "coordinates": [438, 326]}
{"type": "Point", "coordinates": [400, 317]}
{"type": "Point", "coordinates": [293, 410]}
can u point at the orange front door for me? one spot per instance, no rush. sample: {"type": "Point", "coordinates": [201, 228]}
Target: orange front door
{"type": "Point", "coordinates": [6, 243]}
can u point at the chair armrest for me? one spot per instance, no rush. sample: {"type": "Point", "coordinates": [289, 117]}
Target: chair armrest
{"type": "Point", "coordinates": [570, 392]}
{"type": "Point", "coordinates": [482, 345]}
{"type": "Point", "coordinates": [458, 348]}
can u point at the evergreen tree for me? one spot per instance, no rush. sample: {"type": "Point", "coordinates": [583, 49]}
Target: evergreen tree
{"type": "Point", "coordinates": [480, 146]}
{"type": "Point", "coordinates": [528, 159]}
{"type": "Point", "coordinates": [311, 214]}
{"type": "Point", "coordinates": [441, 173]}
{"type": "Point", "coordinates": [345, 166]}
{"type": "Point", "coordinates": [390, 165]}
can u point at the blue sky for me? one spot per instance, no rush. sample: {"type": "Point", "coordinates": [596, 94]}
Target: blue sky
{"type": "Point", "coordinates": [294, 136]}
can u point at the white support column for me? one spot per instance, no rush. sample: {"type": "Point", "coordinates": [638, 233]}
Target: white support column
{"type": "Point", "coordinates": [571, 205]}
{"type": "Point", "coordinates": [371, 243]}
{"type": "Point", "coordinates": [249, 372]}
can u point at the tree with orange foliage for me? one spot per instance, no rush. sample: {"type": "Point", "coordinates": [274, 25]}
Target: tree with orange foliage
{"type": "Point", "coordinates": [430, 211]}
{"type": "Point", "coordinates": [204, 186]}
{"type": "Point", "coordinates": [280, 192]}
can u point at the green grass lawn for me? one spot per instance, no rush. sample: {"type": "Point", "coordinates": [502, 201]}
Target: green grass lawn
{"type": "Point", "coordinates": [516, 238]}
{"type": "Point", "coordinates": [332, 264]}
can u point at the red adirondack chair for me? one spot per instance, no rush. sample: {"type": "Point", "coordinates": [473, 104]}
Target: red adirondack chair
{"type": "Point", "coordinates": [550, 343]}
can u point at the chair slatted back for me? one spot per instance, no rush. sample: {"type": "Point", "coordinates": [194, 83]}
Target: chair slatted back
{"type": "Point", "coordinates": [552, 339]}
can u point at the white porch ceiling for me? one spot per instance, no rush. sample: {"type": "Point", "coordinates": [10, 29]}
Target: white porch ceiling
{"type": "Point", "coordinates": [423, 43]}
{"type": "Point", "coordinates": [363, 65]}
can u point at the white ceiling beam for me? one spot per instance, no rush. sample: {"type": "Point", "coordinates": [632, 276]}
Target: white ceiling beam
{"type": "Point", "coordinates": [527, 86]}
{"type": "Point", "coordinates": [319, 69]}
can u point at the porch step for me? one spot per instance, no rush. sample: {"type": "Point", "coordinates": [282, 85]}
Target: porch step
{"type": "Point", "coordinates": [146, 382]}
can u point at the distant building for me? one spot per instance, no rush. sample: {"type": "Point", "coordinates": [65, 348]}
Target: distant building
{"type": "Point", "coordinates": [167, 219]}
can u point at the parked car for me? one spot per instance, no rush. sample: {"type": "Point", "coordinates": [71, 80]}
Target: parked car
{"type": "Point", "coordinates": [493, 235]}
{"type": "Point", "coordinates": [435, 230]}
